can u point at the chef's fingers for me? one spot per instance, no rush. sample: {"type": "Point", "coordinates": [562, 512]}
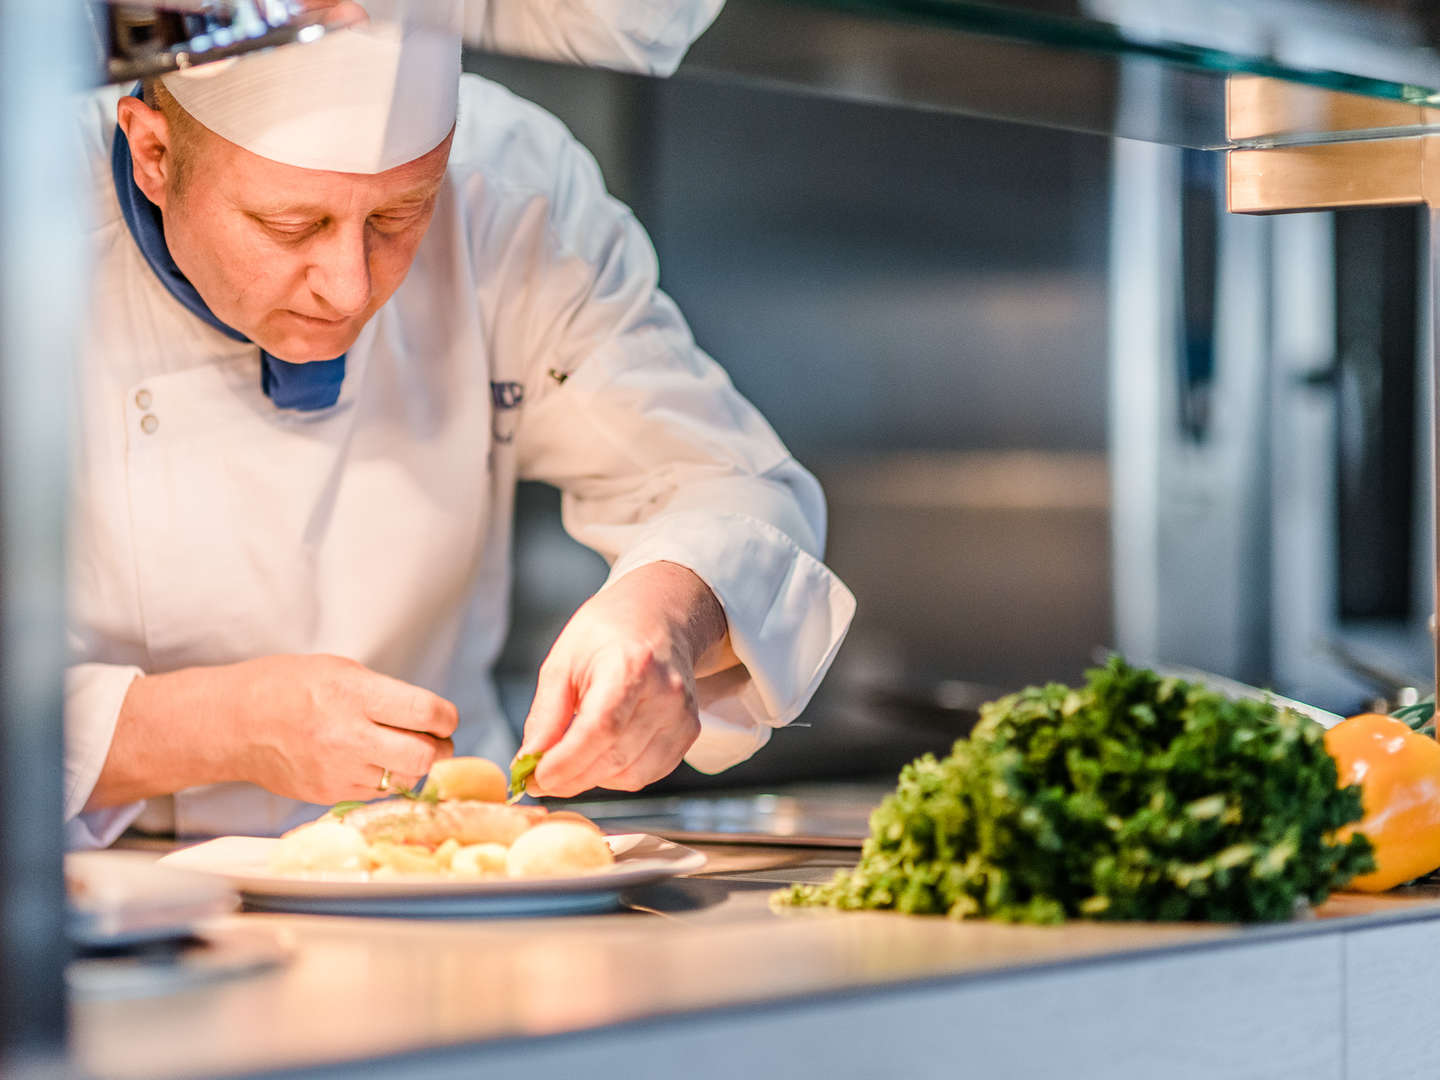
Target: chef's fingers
{"type": "Point", "coordinates": [370, 780]}
{"type": "Point", "coordinates": [408, 755]}
{"type": "Point", "coordinates": [401, 705]}
{"type": "Point", "coordinates": [601, 741]}
{"type": "Point", "coordinates": [552, 709]}
{"type": "Point", "coordinates": [665, 750]}
{"type": "Point", "coordinates": [375, 782]}
{"type": "Point", "coordinates": [620, 778]}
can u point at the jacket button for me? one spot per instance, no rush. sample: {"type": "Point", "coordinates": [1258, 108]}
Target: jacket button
{"type": "Point", "coordinates": [143, 398]}
{"type": "Point", "coordinates": [148, 423]}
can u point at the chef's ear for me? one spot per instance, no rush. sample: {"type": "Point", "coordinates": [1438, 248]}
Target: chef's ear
{"type": "Point", "coordinates": [152, 150]}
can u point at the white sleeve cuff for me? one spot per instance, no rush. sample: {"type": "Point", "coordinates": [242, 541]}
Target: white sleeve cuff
{"type": "Point", "coordinates": [100, 828]}
{"type": "Point", "coordinates": [93, 696]}
{"type": "Point", "coordinates": [787, 615]}
{"type": "Point", "coordinates": [646, 36]}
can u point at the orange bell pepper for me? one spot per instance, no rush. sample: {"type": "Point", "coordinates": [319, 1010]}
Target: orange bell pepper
{"type": "Point", "coordinates": [1398, 771]}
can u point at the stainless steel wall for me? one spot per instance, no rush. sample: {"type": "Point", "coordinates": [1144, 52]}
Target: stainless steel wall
{"type": "Point", "coordinates": [918, 303]}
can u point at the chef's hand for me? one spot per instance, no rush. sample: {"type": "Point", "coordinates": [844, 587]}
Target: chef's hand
{"type": "Point", "coordinates": [615, 701]}
{"type": "Point", "coordinates": [325, 729]}
{"type": "Point", "coordinates": [318, 728]}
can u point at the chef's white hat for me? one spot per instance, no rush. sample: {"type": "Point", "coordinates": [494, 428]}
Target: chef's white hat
{"type": "Point", "coordinates": [361, 100]}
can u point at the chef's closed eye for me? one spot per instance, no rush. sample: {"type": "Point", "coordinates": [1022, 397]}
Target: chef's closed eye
{"type": "Point", "coordinates": [288, 228]}
{"type": "Point", "coordinates": [393, 222]}
{"type": "Point", "coordinates": [399, 218]}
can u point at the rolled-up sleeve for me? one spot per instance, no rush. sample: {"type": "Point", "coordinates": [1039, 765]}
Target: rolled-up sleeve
{"type": "Point", "coordinates": [94, 694]}
{"type": "Point", "coordinates": [659, 458]}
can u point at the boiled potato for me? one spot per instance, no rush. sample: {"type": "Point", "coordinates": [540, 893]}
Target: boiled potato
{"type": "Point", "coordinates": [479, 860]}
{"type": "Point", "coordinates": [445, 852]}
{"type": "Point", "coordinates": [404, 858]}
{"type": "Point", "coordinates": [558, 849]}
{"type": "Point", "coordinates": [468, 778]}
{"type": "Point", "coordinates": [320, 846]}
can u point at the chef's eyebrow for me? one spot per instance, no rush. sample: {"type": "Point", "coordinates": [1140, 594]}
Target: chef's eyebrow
{"type": "Point", "coordinates": [412, 198]}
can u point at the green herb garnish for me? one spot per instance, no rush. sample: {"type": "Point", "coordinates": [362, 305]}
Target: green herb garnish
{"type": "Point", "coordinates": [1420, 716]}
{"type": "Point", "coordinates": [428, 793]}
{"type": "Point", "coordinates": [521, 769]}
{"type": "Point", "coordinates": [1131, 797]}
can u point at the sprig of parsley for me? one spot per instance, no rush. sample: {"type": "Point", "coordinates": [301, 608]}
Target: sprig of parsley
{"type": "Point", "coordinates": [426, 794]}
{"type": "Point", "coordinates": [521, 769]}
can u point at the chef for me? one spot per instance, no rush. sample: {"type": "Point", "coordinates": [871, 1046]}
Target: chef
{"type": "Point", "coordinates": [344, 299]}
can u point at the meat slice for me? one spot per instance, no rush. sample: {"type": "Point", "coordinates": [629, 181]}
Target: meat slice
{"type": "Point", "coordinates": [417, 821]}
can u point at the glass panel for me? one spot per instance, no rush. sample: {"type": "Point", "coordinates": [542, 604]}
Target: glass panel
{"type": "Point", "coordinates": [41, 287]}
{"type": "Point", "coordinates": [1080, 74]}
{"type": "Point", "coordinates": [1190, 34]}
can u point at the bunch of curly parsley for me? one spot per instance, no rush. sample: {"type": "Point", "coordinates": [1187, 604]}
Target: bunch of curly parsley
{"type": "Point", "coordinates": [1132, 797]}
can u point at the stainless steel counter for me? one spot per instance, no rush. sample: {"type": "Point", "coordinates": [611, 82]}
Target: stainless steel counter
{"type": "Point", "coordinates": [700, 978]}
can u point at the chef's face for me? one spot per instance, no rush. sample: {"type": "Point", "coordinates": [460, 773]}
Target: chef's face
{"type": "Point", "coordinates": [296, 259]}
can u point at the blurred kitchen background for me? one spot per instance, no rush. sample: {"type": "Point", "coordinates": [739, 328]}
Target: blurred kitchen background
{"type": "Point", "coordinates": [1046, 428]}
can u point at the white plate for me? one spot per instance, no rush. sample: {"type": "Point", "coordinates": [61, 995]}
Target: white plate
{"type": "Point", "coordinates": [118, 899]}
{"type": "Point", "coordinates": [244, 862]}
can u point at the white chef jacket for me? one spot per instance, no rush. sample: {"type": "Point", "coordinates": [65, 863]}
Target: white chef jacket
{"type": "Point", "coordinates": [529, 341]}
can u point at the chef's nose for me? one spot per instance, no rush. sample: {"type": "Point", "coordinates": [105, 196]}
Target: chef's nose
{"type": "Point", "coordinates": [340, 272]}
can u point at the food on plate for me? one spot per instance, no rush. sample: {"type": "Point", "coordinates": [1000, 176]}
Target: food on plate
{"type": "Point", "coordinates": [521, 769]}
{"type": "Point", "coordinates": [321, 846]}
{"type": "Point", "coordinates": [467, 778]}
{"type": "Point", "coordinates": [422, 821]}
{"type": "Point", "coordinates": [1130, 797]}
{"type": "Point", "coordinates": [560, 849]}
{"type": "Point", "coordinates": [480, 860]}
{"type": "Point", "coordinates": [1398, 771]}
{"type": "Point", "coordinates": [405, 858]}
{"type": "Point", "coordinates": [471, 834]}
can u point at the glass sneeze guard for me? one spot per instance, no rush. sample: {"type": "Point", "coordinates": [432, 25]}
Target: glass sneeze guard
{"type": "Point", "coordinates": [1077, 73]}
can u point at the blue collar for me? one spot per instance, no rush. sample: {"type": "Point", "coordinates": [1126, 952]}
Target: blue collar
{"type": "Point", "coordinates": [315, 385]}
